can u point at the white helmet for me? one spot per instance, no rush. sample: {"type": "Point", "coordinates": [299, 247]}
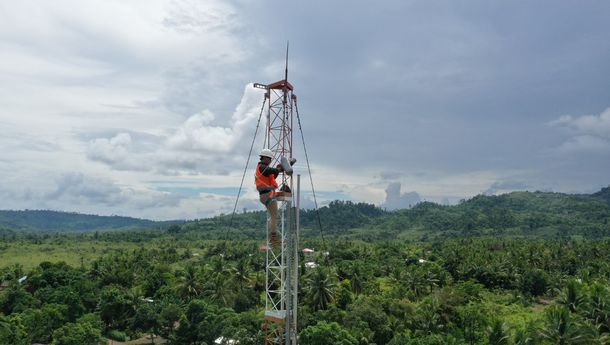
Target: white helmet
{"type": "Point", "coordinates": [266, 153]}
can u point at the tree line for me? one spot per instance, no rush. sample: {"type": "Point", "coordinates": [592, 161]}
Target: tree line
{"type": "Point", "coordinates": [461, 291]}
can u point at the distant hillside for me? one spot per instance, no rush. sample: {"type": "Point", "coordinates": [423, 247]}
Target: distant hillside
{"type": "Point", "coordinates": [513, 214]}
{"type": "Point", "coordinates": [338, 216]}
{"type": "Point", "coordinates": [517, 213]}
{"type": "Point", "coordinates": [41, 220]}
{"type": "Point", "coordinates": [604, 194]}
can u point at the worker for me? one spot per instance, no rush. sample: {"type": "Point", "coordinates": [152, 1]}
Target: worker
{"type": "Point", "coordinates": [265, 185]}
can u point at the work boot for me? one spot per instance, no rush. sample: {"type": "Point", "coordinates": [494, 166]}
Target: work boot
{"type": "Point", "coordinates": [275, 240]}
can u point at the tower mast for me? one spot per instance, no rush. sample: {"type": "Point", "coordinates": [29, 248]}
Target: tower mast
{"type": "Point", "coordinates": [281, 264]}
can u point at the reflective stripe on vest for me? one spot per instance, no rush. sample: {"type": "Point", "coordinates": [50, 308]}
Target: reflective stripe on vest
{"type": "Point", "coordinates": [264, 182]}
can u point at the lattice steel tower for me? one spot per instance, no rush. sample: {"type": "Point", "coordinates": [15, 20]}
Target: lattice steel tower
{"type": "Point", "coordinates": [281, 272]}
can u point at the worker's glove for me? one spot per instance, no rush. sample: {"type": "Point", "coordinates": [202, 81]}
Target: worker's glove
{"type": "Point", "coordinates": [279, 167]}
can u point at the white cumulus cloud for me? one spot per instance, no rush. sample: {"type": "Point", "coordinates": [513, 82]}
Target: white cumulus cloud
{"type": "Point", "coordinates": [595, 125]}
{"type": "Point", "coordinates": [590, 133]}
{"type": "Point", "coordinates": [110, 150]}
{"type": "Point", "coordinates": [190, 148]}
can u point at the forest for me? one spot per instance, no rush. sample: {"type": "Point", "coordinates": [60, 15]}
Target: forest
{"type": "Point", "coordinates": [54, 221]}
{"type": "Point", "coordinates": [519, 268]}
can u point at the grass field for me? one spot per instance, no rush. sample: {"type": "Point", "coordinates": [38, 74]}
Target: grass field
{"type": "Point", "coordinates": [75, 254]}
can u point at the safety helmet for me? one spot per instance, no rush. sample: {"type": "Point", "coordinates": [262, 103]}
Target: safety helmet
{"type": "Point", "coordinates": [266, 153]}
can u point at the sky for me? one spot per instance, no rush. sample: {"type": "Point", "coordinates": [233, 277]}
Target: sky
{"type": "Point", "coordinates": [146, 108]}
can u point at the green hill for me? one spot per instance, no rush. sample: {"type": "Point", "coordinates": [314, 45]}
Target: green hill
{"type": "Point", "coordinates": [604, 193]}
{"type": "Point", "coordinates": [517, 213]}
{"type": "Point", "coordinates": [44, 220]}
{"type": "Point", "coordinates": [513, 214]}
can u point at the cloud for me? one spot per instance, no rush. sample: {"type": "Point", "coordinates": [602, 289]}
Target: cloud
{"type": "Point", "coordinates": [14, 140]}
{"type": "Point", "coordinates": [98, 193]}
{"type": "Point", "coordinates": [197, 133]}
{"type": "Point", "coordinates": [196, 146]}
{"type": "Point", "coordinates": [595, 125]}
{"type": "Point", "coordinates": [125, 92]}
{"type": "Point", "coordinates": [592, 132]}
{"type": "Point", "coordinates": [113, 151]}
{"type": "Point", "coordinates": [195, 17]}
{"type": "Point", "coordinates": [75, 187]}
{"type": "Point", "coordinates": [504, 187]}
{"type": "Point", "coordinates": [397, 200]}
{"type": "Point", "coordinates": [390, 175]}
{"type": "Point", "coordinates": [585, 143]}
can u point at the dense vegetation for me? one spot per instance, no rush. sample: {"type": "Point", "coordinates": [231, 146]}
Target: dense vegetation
{"type": "Point", "coordinates": [530, 214]}
{"type": "Point", "coordinates": [466, 291]}
{"type": "Point", "coordinates": [521, 268]}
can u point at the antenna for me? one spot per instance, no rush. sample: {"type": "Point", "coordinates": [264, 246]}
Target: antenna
{"type": "Point", "coordinates": [286, 70]}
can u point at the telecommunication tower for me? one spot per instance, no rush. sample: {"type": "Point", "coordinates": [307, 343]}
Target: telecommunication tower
{"type": "Point", "coordinates": [281, 267]}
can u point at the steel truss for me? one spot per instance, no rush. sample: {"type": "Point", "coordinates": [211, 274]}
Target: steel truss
{"type": "Point", "coordinates": [281, 269]}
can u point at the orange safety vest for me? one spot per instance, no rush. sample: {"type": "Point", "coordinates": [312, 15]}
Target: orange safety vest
{"type": "Point", "coordinates": [264, 183]}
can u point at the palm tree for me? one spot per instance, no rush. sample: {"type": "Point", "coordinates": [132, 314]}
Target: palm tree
{"type": "Point", "coordinates": [599, 338]}
{"type": "Point", "coordinates": [415, 280]}
{"type": "Point", "coordinates": [356, 282]}
{"type": "Point", "coordinates": [428, 319]}
{"type": "Point", "coordinates": [241, 275]}
{"type": "Point", "coordinates": [432, 279]}
{"type": "Point", "coordinates": [17, 271]}
{"type": "Point", "coordinates": [218, 264]}
{"type": "Point", "coordinates": [560, 329]}
{"type": "Point", "coordinates": [498, 333]}
{"type": "Point", "coordinates": [319, 290]}
{"type": "Point", "coordinates": [258, 282]}
{"type": "Point", "coordinates": [523, 337]}
{"type": "Point", "coordinates": [218, 291]}
{"type": "Point", "coordinates": [598, 309]}
{"type": "Point", "coordinates": [189, 285]}
{"type": "Point", "coordinates": [572, 296]}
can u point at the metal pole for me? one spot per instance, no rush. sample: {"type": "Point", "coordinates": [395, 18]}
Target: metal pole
{"type": "Point", "coordinates": [295, 298]}
{"type": "Point", "coordinates": [288, 280]}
